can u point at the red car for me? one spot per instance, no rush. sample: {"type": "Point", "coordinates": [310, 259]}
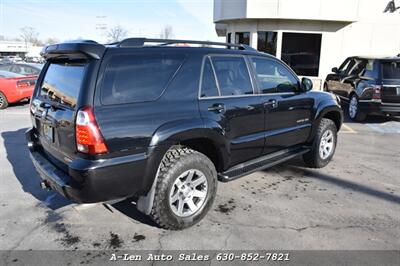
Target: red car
{"type": "Point", "coordinates": [15, 87]}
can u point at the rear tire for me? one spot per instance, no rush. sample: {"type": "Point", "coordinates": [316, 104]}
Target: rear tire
{"type": "Point", "coordinates": [3, 101]}
{"type": "Point", "coordinates": [326, 87]}
{"type": "Point", "coordinates": [324, 145]}
{"type": "Point", "coordinates": [185, 190]}
{"type": "Point", "coordinates": [355, 113]}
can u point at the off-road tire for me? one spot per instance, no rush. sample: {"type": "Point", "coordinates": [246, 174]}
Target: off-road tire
{"type": "Point", "coordinates": [3, 101]}
{"type": "Point", "coordinates": [177, 160]}
{"type": "Point", "coordinates": [312, 158]}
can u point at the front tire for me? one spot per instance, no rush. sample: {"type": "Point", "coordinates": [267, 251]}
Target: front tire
{"type": "Point", "coordinates": [185, 190]}
{"type": "Point", "coordinates": [3, 101]}
{"type": "Point", "coordinates": [324, 145]}
{"type": "Point", "coordinates": [354, 110]}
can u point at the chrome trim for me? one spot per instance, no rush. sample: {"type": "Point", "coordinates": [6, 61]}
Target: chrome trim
{"type": "Point", "coordinates": [388, 104]}
{"type": "Point", "coordinates": [247, 95]}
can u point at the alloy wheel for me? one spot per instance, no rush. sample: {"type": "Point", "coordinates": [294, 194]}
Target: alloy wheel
{"type": "Point", "coordinates": [326, 144]}
{"type": "Point", "coordinates": [188, 193]}
{"type": "Point", "coordinates": [353, 107]}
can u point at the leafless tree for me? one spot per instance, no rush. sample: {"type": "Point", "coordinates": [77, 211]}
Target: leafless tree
{"type": "Point", "coordinates": [116, 34]}
{"type": "Point", "coordinates": [51, 40]}
{"type": "Point", "coordinates": [29, 35]}
{"type": "Point", "coordinates": [166, 32]}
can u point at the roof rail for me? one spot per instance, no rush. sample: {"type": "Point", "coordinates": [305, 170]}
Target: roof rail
{"type": "Point", "coordinates": [139, 42]}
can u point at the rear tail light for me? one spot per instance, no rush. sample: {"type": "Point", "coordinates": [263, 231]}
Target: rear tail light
{"type": "Point", "coordinates": [25, 83]}
{"type": "Point", "coordinates": [88, 136]}
{"type": "Point", "coordinates": [376, 93]}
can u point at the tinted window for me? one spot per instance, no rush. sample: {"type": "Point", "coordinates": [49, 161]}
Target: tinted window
{"type": "Point", "coordinates": [358, 68]}
{"type": "Point", "coordinates": [232, 75]}
{"type": "Point", "coordinates": [242, 37]}
{"type": "Point", "coordinates": [24, 70]}
{"type": "Point", "coordinates": [5, 68]}
{"type": "Point", "coordinates": [343, 67]}
{"type": "Point", "coordinates": [137, 78]}
{"type": "Point", "coordinates": [208, 84]}
{"type": "Point", "coordinates": [267, 41]}
{"type": "Point", "coordinates": [391, 70]}
{"type": "Point", "coordinates": [370, 69]}
{"type": "Point", "coordinates": [62, 82]}
{"type": "Point", "coordinates": [273, 77]}
{"type": "Point", "coordinates": [301, 51]}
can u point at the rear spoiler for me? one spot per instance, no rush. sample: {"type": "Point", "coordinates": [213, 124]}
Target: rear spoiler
{"type": "Point", "coordinates": [79, 49]}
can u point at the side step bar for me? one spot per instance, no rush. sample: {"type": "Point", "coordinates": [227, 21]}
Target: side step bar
{"type": "Point", "coordinates": [260, 163]}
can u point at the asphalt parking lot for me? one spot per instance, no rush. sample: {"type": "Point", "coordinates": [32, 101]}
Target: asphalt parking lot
{"type": "Point", "coordinates": [353, 203]}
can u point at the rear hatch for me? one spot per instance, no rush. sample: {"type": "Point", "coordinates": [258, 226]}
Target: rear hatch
{"type": "Point", "coordinates": [391, 82]}
{"type": "Point", "coordinates": [54, 108]}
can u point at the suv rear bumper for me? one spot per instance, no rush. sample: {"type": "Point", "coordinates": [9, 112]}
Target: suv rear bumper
{"type": "Point", "coordinates": [90, 181]}
{"type": "Point", "coordinates": [373, 107]}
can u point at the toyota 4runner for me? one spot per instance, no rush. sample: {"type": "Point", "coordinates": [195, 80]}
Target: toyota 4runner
{"type": "Point", "coordinates": [160, 121]}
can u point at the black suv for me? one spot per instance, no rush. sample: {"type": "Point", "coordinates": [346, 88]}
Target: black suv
{"type": "Point", "coordinates": [160, 122]}
{"type": "Point", "coordinates": [369, 85]}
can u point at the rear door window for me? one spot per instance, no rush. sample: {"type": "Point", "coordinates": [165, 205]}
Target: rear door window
{"type": "Point", "coordinates": [62, 82]}
{"type": "Point", "coordinates": [391, 70]}
{"type": "Point", "coordinates": [138, 78]}
{"type": "Point", "coordinates": [232, 75]}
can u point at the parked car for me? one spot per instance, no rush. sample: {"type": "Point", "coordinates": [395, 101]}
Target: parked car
{"type": "Point", "coordinates": [12, 59]}
{"type": "Point", "coordinates": [15, 88]}
{"type": "Point", "coordinates": [160, 123]}
{"type": "Point", "coordinates": [370, 85]}
{"type": "Point", "coordinates": [26, 69]}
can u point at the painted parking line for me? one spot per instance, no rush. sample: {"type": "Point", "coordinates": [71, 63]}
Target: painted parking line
{"type": "Point", "coordinates": [392, 127]}
{"type": "Point", "coordinates": [348, 129]}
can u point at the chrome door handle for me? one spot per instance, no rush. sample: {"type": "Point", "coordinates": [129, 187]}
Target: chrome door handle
{"type": "Point", "coordinates": [217, 108]}
{"type": "Point", "coordinates": [271, 104]}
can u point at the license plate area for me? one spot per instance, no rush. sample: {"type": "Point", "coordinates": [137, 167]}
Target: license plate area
{"type": "Point", "coordinates": [48, 132]}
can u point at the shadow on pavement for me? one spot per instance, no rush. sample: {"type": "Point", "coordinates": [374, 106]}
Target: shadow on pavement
{"type": "Point", "coordinates": [298, 168]}
{"type": "Point", "coordinates": [24, 171]}
{"type": "Point", "coordinates": [129, 209]}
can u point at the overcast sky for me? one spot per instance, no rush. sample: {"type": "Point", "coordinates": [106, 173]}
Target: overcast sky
{"type": "Point", "coordinates": [70, 19]}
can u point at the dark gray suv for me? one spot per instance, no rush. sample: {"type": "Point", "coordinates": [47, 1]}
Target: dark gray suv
{"type": "Point", "coordinates": [370, 85]}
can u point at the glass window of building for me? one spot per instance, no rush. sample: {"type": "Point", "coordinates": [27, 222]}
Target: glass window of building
{"type": "Point", "coordinates": [267, 42]}
{"type": "Point", "coordinates": [242, 37]}
{"type": "Point", "coordinates": [229, 38]}
{"type": "Point", "coordinates": [301, 51]}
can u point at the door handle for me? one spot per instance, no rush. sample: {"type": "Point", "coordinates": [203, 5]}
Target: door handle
{"type": "Point", "coordinates": [217, 108]}
{"type": "Point", "coordinates": [271, 104]}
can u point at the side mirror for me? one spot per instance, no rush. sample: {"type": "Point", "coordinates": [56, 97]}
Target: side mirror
{"type": "Point", "coordinates": [306, 84]}
{"type": "Point", "coordinates": [335, 70]}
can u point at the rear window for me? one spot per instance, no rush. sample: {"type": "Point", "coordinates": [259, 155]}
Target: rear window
{"type": "Point", "coordinates": [391, 70]}
{"type": "Point", "coordinates": [138, 78]}
{"type": "Point", "coordinates": [62, 82]}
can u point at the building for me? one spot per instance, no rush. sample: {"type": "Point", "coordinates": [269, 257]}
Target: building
{"type": "Point", "coordinates": [312, 36]}
{"type": "Point", "coordinates": [12, 48]}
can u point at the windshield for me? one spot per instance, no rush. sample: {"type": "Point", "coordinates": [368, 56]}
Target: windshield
{"type": "Point", "coordinates": [391, 70]}
{"type": "Point", "coordinates": [62, 82]}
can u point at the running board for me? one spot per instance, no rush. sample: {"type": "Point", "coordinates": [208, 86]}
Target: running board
{"type": "Point", "coordinates": [260, 163]}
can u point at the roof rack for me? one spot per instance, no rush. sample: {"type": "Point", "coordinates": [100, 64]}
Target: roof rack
{"type": "Point", "coordinates": [139, 42]}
